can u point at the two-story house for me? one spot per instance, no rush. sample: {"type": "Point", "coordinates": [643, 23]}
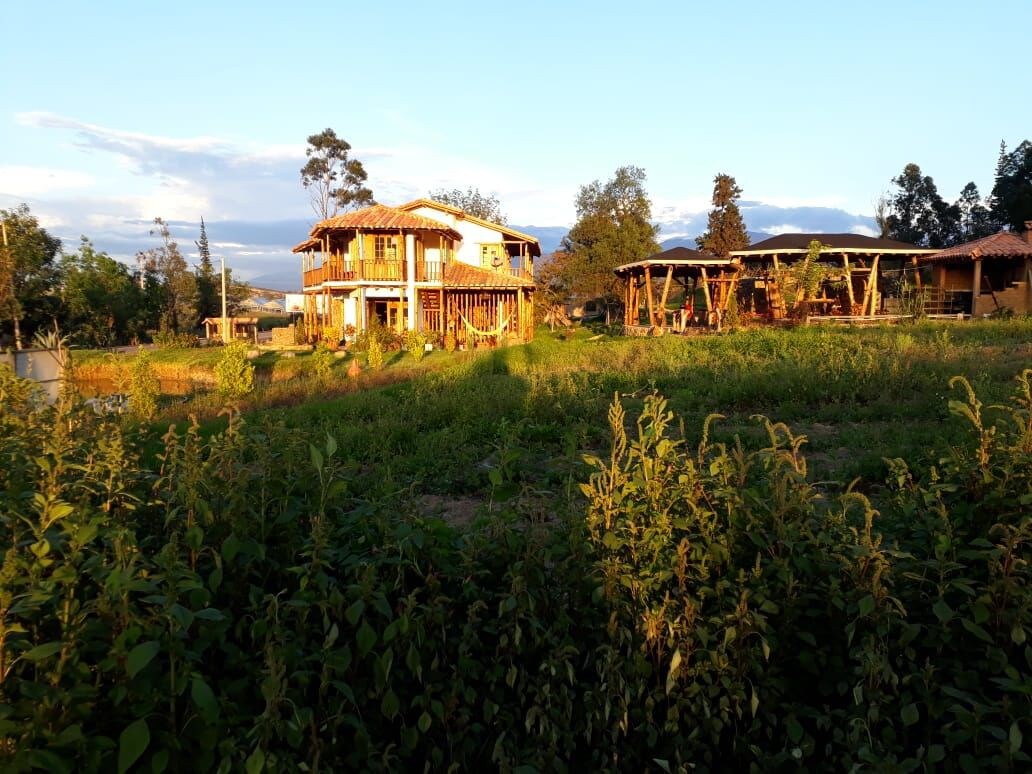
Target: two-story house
{"type": "Point", "coordinates": [422, 266]}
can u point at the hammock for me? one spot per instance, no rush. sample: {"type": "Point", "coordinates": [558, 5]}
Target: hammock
{"type": "Point", "coordinates": [496, 332]}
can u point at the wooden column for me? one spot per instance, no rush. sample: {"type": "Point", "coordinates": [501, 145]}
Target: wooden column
{"type": "Point", "coordinates": [666, 292]}
{"type": "Point", "coordinates": [706, 293]}
{"type": "Point", "coordinates": [648, 296]}
{"type": "Point", "coordinates": [976, 285]}
{"type": "Point", "coordinates": [849, 282]}
{"type": "Point", "coordinates": [917, 272]}
{"type": "Point", "coordinates": [874, 285]}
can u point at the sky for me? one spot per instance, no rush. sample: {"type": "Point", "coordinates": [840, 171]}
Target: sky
{"type": "Point", "coordinates": [114, 113]}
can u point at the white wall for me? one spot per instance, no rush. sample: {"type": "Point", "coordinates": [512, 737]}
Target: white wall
{"type": "Point", "coordinates": [473, 234]}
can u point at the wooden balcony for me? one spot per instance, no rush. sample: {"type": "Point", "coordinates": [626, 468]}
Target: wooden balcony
{"type": "Point", "coordinates": [372, 270]}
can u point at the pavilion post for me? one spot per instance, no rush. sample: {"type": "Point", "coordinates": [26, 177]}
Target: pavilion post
{"type": "Point", "coordinates": [849, 282]}
{"type": "Point", "coordinates": [666, 293]}
{"type": "Point", "coordinates": [706, 294]}
{"type": "Point", "coordinates": [917, 272]}
{"type": "Point", "coordinates": [648, 296]}
{"type": "Point", "coordinates": [976, 285]}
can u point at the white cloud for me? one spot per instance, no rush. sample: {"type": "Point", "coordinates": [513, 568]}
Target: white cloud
{"type": "Point", "coordinates": [28, 181]}
{"type": "Point", "coordinates": [863, 230]}
{"type": "Point", "coordinates": [789, 202]}
{"type": "Point", "coordinates": [785, 228]}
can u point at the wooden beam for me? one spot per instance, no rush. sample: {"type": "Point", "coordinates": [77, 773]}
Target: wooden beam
{"type": "Point", "coordinates": [976, 285]}
{"type": "Point", "coordinates": [917, 272]}
{"type": "Point", "coordinates": [874, 285]}
{"type": "Point", "coordinates": [706, 294]}
{"type": "Point", "coordinates": [666, 293]}
{"type": "Point", "coordinates": [849, 282]}
{"type": "Point", "coordinates": [648, 296]}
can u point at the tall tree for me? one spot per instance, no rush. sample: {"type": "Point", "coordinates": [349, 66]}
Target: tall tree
{"type": "Point", "coordinates": [29, 274]}
{"type": "Point", "coordinates": [976, 221]}
{"type": "Point", "coordinates": [472, 202]}
{"type": "Point", "coordinates": [725, 229]}
{"type": "Point", "coordinates": [919, 214]}
{"type": "Point", "coordinates": [335, 180]}
{"type": "Point", "coordinates": [99, 296]}
{"type": "Point", "coordinates": [178, 285]}
{"type": "Point", "coordinates": [1011, 200]}
{"type": "Point", "coordinates": [614, 227]}
{"type": "Point", "coordinates": [209, 286]}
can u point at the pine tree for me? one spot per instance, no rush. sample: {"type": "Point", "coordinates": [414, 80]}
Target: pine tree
{"type": "Point", "coordinates": [208, 302]}
{"type": "Point", "coordinates": [725, 229]}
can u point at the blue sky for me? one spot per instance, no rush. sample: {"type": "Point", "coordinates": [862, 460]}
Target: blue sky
{"type": "Point", "coordinates": [112, 113]}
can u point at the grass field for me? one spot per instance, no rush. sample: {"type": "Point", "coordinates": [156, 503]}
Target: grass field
{"type": "Point", "coordinates": [551, 557]}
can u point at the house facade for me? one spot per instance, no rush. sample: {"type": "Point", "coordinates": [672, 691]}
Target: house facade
{"type": "Point", "coordinates": [423, 266]}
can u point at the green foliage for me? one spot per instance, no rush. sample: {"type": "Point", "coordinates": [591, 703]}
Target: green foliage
{"type": "Point", "coordinates": [234, 373]}
{"type": "Point", "coordinates": [322, 361]}
{"type": "Point", "coordinates": [725, 229]}
{"type": "Point", "coordinates": [209, 284]}
{"type": "Point", "coordinates": [1012, 191]}
{"type": "Point", "coordinates": [169, 339]}
{"type": "Point", "coordinates": [614, 227]}
{"type": "Point", "coordinates": [178, 284]}
{"type": "Point", "coordinates": [415, 343]}
{"type": "Point", "coordinates": [334, 179]}
{"type": "Point", "coordinates": [144, 388]}
{"type": "Point", "coordinates": [247, 600]}
{"type": "Point", "coordinates": [472, 202]}
{"type": "Point", "coordinates": [28, 274]}
{"type": "Point", "coordinates": [100, 298]}
{"type": "Point", "coordinates": [374, 353]}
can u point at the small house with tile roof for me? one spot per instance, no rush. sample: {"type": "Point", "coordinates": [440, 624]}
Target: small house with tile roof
{"type": "Point", "coordinates": [988, 275]}
{"type": "Point", "coordinates": [424, 266]}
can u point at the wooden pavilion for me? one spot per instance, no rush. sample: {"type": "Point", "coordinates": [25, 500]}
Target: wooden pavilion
{"type": "Point", "coordinates": [693, 271]}
{"type": "Point", "coordinates": [984, 276]}
{"type": "Point", "coordinates": [857, 292]}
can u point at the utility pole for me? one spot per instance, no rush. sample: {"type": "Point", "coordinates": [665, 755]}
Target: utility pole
{"type": "Point", "coordinates": [225, 319]}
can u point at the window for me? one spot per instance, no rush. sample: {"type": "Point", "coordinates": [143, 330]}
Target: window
{"type": "Point", "coordinates": [492, 255]}
{"type": "Point", "coordinates": [385, 248]}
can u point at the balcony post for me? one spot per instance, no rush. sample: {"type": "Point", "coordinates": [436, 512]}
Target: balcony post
{"type": "Point", "coordinates": [410, 276]}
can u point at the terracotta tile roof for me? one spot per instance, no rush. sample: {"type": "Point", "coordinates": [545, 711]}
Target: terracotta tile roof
{"type": "Point", "coordinates": [462, 275]}
{"type": "Point", "coordinates": [856, 243]}
{"type": "Point", "coordinates": [309, 244]}
{"type": "Point", "coordinates": [386, 218]}
{"type": "Point", "coordinates": [1005, 244]}
{"type": "Point", "coordinates": [535, 248]}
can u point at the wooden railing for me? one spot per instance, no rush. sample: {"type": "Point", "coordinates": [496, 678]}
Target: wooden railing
{"type": "Point", "coordinates": [372, 270]}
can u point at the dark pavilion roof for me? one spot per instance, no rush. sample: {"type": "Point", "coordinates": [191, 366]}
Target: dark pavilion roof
{"type": "Point", "coordinates": [1005, 244]}
{"type": "Point", "coordinates": [850, 243]}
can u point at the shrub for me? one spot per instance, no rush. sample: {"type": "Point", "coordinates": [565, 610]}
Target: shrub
{"type": "Point", "coordinates": [415, 343]}
{"type": "Point", "coordinates": [169, 339]}
{"type": "Point", "coordinates": [374, 354]}
{"type": "Point", "coordinates": [234, 373]}
{"type": "Point", "coordinates": [322, 361]}
{"type": "Point", "coordinates": [144, 387]}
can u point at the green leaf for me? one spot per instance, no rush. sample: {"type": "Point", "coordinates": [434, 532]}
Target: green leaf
{"type": "Point", "coordinates": [867, 605]}
{"type": "Point", "coordinates": [210, 614]}
{"type": "Point", "coordinates": [754, 702]}
{"type": "Point", "coordinates": [909, 714]}
{"type": "Point", "coordinates": [389, 705]}
{"type": "Point", "coordinates": [354, 612]}
{"type": "Point", "coordinates": [942, 611]}
{"type": "Point", "coordinates": [204, 698]}
{"type": "Point", "coordinates": [795, 731]}
{"type": "Point", "coordinates": [976, 630]}
{"type": "Point", "coordinates": [140, 656]}
{"type": "Point", "coordinates": [316, 455]}
{"type": "Point", "coordinates": [424, 722]}
{"type": "Point", "coordinates": [255, 761]}
{"type": "Point", "coordinates": [131, 744]}
{"type": "Point", "coordinates": [1015, 737]}
{"type": "Point", "coordinates": [1018, 634]}
{"type": "Point", "coordinates": [610, 540]}
{"type": "Point", "coordinates": [41, 652]}
{"type": "Point", "coordinates": [675, 665]}
{"type": "Point", "coordinates": [366, 638]}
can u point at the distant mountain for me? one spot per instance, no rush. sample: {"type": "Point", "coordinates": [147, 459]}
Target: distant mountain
{"type": "Point", "coordinates": [287, 280]}
{"type": "Point", "coordinates": [689, 242]}
{"type": "Point", "coordinates": [549, 237]}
